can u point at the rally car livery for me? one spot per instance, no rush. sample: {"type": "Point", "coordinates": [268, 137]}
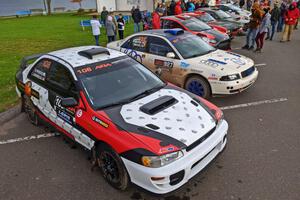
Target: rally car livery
{"type": "Point", "coordinates": [188, 62]}
{"type": "Point", "coordinates": [136, 127]}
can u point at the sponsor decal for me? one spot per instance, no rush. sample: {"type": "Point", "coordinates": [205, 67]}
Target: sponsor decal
{"type": "Point", "coordinates": [103, 66]}
{"type": "Point", "coordinates": [79, 113]}
{"type": "Point", "coordinates": [62, 112]}
{"type": "Point", "coordinates": [197, 71]}
{"type": "Point", "coordinates": [29, 91]}
{"type": "Point", "coordinates": [65, 116]}
{"type": "Point", "coordinates": [234, 54]}
{"type": "Point", "coordinates": [207, 62]}
{"type": "Point", "coordinates": [166, 149]}
{"type": "Point", "coordinates": [99, 121]}
{"type": "Point", "coordinates": [39, 74]}
{"type": "Point", "coordinates": [217, 61]}
{"type": "Point", "coordinates": [183, 64]}
{"type": "Point", "coordinates": [212, 78]}
{"type": "Point", "coordinates": [163, 64]}
{"type": "Point", "coordinates": [86, 70]}
{"type": "Point", "coordinates": [133, 54]}
{"type": "Point", "coordinates": [238, 61]}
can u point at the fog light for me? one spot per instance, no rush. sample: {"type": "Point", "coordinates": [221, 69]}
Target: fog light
{"type": "Point", "coordinates": [157, 178]}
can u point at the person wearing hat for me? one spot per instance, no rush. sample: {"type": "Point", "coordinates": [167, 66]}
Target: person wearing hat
{"type": "Point", "coordinates": [110, 29]}
{"type": "Point", "coordinates": [121, 26]}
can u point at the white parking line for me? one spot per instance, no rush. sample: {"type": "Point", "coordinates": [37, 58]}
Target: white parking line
{"type": "Point", "coordinates": [260, 65]}
{"type": "Point", "coordinates": [27, 138]}
{"type": "Point", "coordinates": [254, 103]}
{"type": "Point", "coordinates": [47, 135]}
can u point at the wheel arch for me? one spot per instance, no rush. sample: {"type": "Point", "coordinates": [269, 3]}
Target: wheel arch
{"type": "Point", "coordinates": [195, 74]}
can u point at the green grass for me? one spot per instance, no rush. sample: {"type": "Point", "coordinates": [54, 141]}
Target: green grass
{"type": "Point", "coordinates": [37, 34]}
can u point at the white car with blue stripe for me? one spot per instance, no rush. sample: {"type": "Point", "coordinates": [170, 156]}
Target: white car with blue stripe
{"type": "Point", "coordinates": [187, 61]}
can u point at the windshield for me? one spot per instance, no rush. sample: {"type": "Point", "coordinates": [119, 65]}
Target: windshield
{"type": "Point", "coordinates": [206, 18]}
{"type": "Point", "coordinates": [191, 46]}
{"type": "Point", "coordinates": [194, 24]}
{"type": "Point", "coordinates": [222, 14]}
{"type": "Point", "coordinates": [116, 81]}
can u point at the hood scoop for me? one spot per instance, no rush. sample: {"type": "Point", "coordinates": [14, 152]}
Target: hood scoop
{"type": "Point", "coordinates": [158, 105]}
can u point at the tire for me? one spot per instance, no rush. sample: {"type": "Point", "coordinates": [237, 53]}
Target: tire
{"type": "Point", "coordinates": [112, 167]}
{"type": "Point", "coordinates": [29, 109]}
{"type": "Point", "coordinates": [199, 86]}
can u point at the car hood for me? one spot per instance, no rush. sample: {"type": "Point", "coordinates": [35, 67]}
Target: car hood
{"type": "Point", "coordinates": [170, 115]}
{"type": "Point", "coordinates": [217, 34]}
{"type": "Point", "coordinates": [225, 61]}
{"type": "Point", "coordinates": [230, 26]}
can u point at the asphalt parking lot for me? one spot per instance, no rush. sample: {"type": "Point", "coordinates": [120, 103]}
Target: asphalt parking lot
{"type": "Point", "coordinates": [261, 161]}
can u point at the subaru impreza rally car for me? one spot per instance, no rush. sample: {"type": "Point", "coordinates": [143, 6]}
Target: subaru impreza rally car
{"type": "Point", "coordinates": [188, 62]}
{"type": "Point", "coordinates": [136, 127]}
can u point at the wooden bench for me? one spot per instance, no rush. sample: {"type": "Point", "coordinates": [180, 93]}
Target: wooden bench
{"type": "Point", "coordinates": [23, 13]}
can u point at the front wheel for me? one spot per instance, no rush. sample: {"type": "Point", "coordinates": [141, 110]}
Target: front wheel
{"type": "Point", "coordinates": [198, 86]}
{"type": "Point", "coordinates": [112, 167]}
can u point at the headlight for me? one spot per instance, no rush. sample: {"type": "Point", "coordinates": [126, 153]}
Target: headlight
{"type": "Point", "coordinates": [160, 161]}
{"type": "Point", "coordinates": [230, 77]}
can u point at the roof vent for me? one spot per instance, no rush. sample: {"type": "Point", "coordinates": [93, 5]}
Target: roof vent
{"type": "Point", "coordinates": [93, 52]}
{"type": "Point", "coordinates": [175, 31]}
{"type": "Point", "coordinates": [158, 105]}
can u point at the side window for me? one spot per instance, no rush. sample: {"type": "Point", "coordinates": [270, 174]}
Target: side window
{"type": "Point", "coordinates": [41, 70]}
{"type": "Point", "coordinates": [169, 24]}
{"type": "Point", "coordinates": [159, 46]}
{"type": "Point", "coordinates": [127, 44]}
{"type": "Point", "coordinates": [60, 77]}
{"type": "Point", "coordinates": [139, 43]}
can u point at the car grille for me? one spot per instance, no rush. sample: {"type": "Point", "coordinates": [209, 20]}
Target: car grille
{"type": "Point", "coordinates": [224, 45]}
{"type": "Point", "coordinates": [248, 72]}
{"type": "Point", "coordinates": [202, 139]}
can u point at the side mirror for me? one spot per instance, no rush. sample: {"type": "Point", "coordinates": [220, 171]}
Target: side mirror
{"type": "Point", "coordinates": [69, 102]}
{"type": "Point", "coordinates": [171, 55]}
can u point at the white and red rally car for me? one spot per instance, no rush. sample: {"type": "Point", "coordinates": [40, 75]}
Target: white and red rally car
{"type": "Point", "coordinates": [136, 127]}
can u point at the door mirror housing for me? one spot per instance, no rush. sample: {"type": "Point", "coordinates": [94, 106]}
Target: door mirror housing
{"type": "Point", "coordinates": [69, 102]}
{"type": "Point", "coordinates": [171, 55]}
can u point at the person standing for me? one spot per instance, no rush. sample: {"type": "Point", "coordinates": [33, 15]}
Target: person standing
{"type": "Point", "coordinates": [263, 28]}
{"type": "Point", "coordinates": [281, 17]}
{"type": "Point", "coordinates": [298, 7]}
{"type": "Point", "coordinates": [110, 29]}
{"type": "Point", "coordinates": [121, 26]}
{"type": "Point", "coordinates": [275, 14]}
{"type": "Point", "coordinates": [172, 7]}
{"type": "Point", "coordinates": [96, 29]}
{"type": "Point", "coordinates": [155, 20]}
{"type": "Point", "coordinates": [178, 9]}
{"type": "Point", "coordinates": [255, 20]}
{"type": "Point", "coordinates": [137, 17]}
{"type": "Point", "coordinates": [190, 6]}
{"type": "Point", "coordinates": [104, 15]}
{"type": "Point", "coordinates": [242, 3]}
{"type": "Point", "coordinates": [249, 4]}
{"type": "Point", "coordinates": [291, 17]}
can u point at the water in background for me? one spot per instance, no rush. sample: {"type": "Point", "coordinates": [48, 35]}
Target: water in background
{"type": "Point", "coordinates": [9, 7]}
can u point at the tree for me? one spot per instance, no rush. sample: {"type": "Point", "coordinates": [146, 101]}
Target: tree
{"type": "Point", "coordinates": [49, 6]}
{"type": "Point", "coordinates": [77, 1]}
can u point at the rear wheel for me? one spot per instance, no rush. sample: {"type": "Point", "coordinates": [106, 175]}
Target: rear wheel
{"type": "Point", "coordinates": [112, 167]}
{"type": "Point", "coordinates": [29, 109]}
{"type": "Point", "coordinates": [198, 86]}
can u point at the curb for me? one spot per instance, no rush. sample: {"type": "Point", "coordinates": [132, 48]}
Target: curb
{"type": "Point", "coordinates": [10, 114]}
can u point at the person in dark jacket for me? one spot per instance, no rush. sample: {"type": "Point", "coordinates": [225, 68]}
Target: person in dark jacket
{"type": "Point", "coordinates": [249, 4]}
{"type": "Point", "coordinates": [172, 7]}
{"type": "Point", "coordinates": [275, 14]}
{"type": "Point", "coordinates": [242, 3]}
{"type": "Point", "coordinates": [298, 6]}
{"type": "Point", "coordinates": [121, 26]}
{"type": "Point", "coordinates": [283, 9]}
{"type": "Point", "coordinates": [137, 18]}
{"type": "Point", "coordinates": [104, 14]}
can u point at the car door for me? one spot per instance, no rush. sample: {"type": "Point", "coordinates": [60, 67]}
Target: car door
{"type": "Point", "coordinates": [136, 47]}
{"type": "Point", "coordinates": [167, 67]}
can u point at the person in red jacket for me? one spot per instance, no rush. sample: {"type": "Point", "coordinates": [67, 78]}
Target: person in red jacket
{"type": "Point", "coordinates": [291, 17]}
{"type": "Point", "coordinates": [155, 20]}
{"type": "Point", "coordinates": [178, 9]}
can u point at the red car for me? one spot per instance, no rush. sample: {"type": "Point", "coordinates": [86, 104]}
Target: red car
{"type": "Point", "coordinates": [191, 24]}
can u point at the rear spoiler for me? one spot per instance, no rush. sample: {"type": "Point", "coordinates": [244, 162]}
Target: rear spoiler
{"type": "Point", "coordinates": [25, 60]}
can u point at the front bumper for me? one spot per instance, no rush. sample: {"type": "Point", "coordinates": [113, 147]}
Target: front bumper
{"type": "Point", "coordinates": [180, 171]}
{"type": "Point", "coordinates": [233, 87]}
